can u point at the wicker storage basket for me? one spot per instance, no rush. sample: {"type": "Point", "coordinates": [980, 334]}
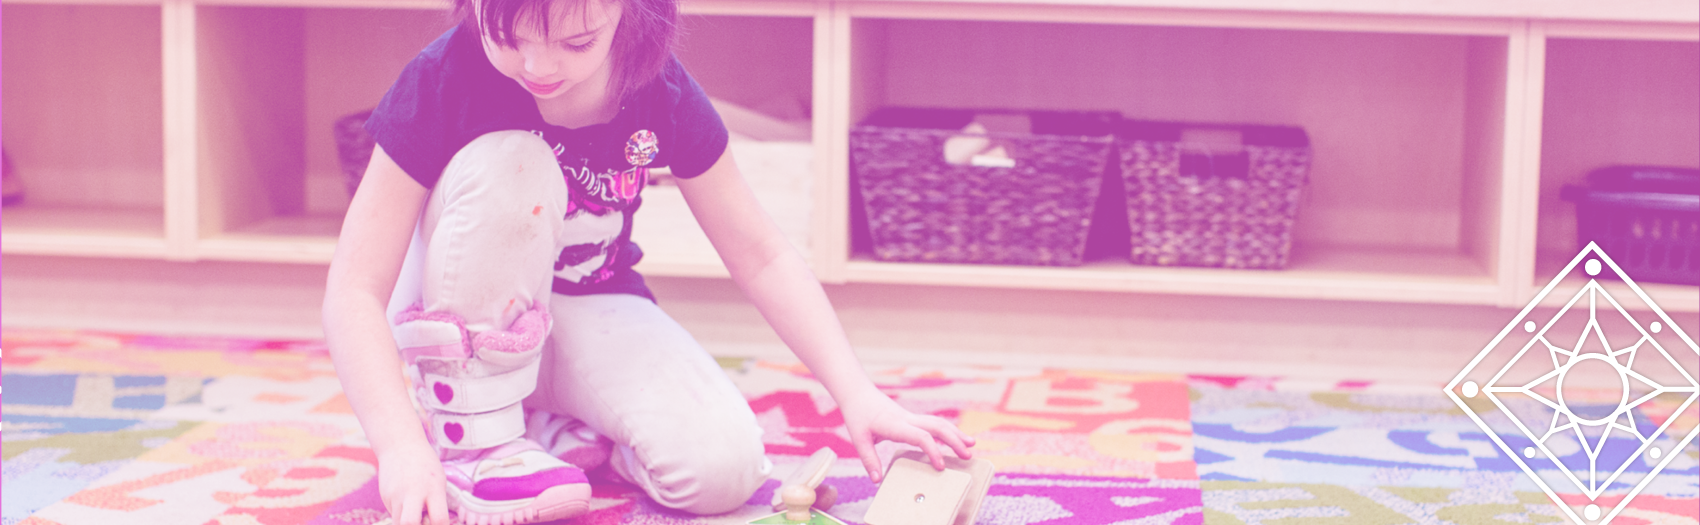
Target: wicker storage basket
{"type": "Point", "coordinates": [1646, 218]}
{"type": "Point", "coordinates": [353, 147]}
{"type": "Point", "coordinates": [1211, 195]}
{"type": "Point", "coordinates": [1030, 205]}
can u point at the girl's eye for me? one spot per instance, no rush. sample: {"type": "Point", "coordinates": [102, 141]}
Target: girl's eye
{"type": "Point", "coordinates": [579, 48]}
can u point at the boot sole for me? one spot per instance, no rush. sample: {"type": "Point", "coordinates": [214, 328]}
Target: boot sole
{"type": "Point", "coordinates": [556, 503]}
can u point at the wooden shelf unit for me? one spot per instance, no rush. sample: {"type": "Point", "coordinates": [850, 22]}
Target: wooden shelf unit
{"type": "Point", "coordinates": [83, 87]}
{"type": "Point", "coordinates": [1443, 130]}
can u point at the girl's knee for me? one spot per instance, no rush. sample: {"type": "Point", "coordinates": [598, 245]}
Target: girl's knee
{"type": "Point", "coordinates": [511, 154]}
{"type": "Point", "coordinates": [719, 473]}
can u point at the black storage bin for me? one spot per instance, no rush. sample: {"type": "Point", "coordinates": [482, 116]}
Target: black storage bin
{"type": "Point", "coordinates": [1030, 206]}
{"type": "Point", "coordinates": [1646, 218]}
{"type": "Point", "coordinates": [1212, 195]}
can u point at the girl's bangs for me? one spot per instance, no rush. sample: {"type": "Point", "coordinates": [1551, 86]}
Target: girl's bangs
{"type": "Point", "coordinates": [500, 19]}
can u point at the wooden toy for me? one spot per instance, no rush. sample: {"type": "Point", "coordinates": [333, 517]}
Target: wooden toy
{"type": "Point", "coordinates": [803, 492]}
{"type": "Point", "coordinates": [914, 493]}
{"type": "Point", "coordinates": [816, 517]}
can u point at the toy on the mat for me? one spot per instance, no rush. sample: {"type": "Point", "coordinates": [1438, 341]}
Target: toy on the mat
{"type": "Point", "coordinates": [914, 493]}
{"type": "Point", "coordinates": [803, 493]}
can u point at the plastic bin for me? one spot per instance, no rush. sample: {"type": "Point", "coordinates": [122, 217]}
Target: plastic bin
{"type": "Point", "coordinates": [1212, 195]}
{"type": "Point", "coordinates": [1647, 218]}
{"type": "Point", "coordinates": [1021, 192]}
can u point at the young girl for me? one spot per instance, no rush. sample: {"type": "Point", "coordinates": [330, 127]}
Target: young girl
{"type": "Point", "coordinates": [487, 251]}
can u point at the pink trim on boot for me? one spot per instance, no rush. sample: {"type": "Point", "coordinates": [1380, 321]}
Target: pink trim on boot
{"type": "Point", "coordinates": [523, 335]}
{"type": "Point", "coordinates": [416, 312]}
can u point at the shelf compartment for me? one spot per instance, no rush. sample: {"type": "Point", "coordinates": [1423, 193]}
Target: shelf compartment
{"type": "Point", "coordinates": [759, 71]}
{"type": "Point", "coordinates": [84, 113]}
{"type": "Point", "coordinates": [271, 81]}
{"type": "Point", "coordinates": [1408, 130]}
{"type": "Point", "coordinates": [1606, 102]}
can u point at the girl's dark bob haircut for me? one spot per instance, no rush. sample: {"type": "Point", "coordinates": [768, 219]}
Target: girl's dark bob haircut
{"type": "Point", "coordinates": [642, 45]}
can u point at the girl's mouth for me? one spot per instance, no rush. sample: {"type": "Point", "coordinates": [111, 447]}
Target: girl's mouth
{"type": "Point", "coordinates": [542, 89]}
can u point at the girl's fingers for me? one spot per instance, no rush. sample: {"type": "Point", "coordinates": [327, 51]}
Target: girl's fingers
{"type": "Point", "coordinates": [863, 442]}
{"type": "Point", "coordinates": [391, 506]}
{"type": "Point", "coordinates": [948, 433]}
{"type": "Point", "coordinates": [920, 437]}
{"type": "Point", "coordinates": [437, 504]}
{"type": "Point", "coordinates": [409, 512]}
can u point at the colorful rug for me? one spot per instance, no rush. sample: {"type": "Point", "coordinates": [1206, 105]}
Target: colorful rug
{"type": "Point", "coordinates": [112, 428]}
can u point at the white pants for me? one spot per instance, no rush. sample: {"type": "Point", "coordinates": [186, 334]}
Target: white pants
{"type": "Point", "coordinates": [485, 249]}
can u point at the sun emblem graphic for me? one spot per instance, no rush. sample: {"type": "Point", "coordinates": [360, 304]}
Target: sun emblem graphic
{"type": "Point", "coordinates": [1569, 397]}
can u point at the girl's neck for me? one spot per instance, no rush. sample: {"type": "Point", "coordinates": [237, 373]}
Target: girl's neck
{"type": "Point", "coordinates": [588, 103]}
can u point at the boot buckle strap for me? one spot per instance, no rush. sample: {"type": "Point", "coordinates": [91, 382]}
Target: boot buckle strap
{"type": "Point", "coordinates": [464, 390]}
{"type": "Point", "coordinates": [477, 431]}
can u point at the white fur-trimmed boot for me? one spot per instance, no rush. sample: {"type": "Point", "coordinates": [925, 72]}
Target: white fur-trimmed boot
{"type": "Point", "coordinates": [470, 387]}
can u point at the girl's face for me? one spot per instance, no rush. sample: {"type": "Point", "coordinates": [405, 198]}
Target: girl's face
{"type": "Point", "coordinates": [575, 50]}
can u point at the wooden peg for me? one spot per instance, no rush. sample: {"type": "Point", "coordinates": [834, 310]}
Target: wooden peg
{"type": "Point", "coordinates": [801, 489]}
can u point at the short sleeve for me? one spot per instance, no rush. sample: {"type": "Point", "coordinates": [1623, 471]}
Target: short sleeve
{"type": "Point", "coordinates": [410, 121]}
{"type": "Point", "coordinates": [700, 135]}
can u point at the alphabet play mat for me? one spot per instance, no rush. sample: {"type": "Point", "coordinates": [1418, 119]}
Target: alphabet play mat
{"type": "Point", "coordinates": [103, 428]}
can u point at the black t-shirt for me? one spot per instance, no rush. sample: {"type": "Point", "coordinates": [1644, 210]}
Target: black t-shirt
{"type": "Point", "coordinates": [450, 94]}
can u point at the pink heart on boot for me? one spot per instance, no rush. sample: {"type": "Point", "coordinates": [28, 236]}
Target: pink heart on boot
{"type": "Point", "coordinates": [444, 393]}
{"type": "Point", "coordinates": [454, 432]}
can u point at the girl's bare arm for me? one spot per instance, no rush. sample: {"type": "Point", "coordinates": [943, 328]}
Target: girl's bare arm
{"type": "Point", "coordinates": [369, 253]}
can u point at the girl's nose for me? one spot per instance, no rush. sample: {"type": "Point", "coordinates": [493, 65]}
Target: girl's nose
{"type": "Point", "coordinates": [538, 63]}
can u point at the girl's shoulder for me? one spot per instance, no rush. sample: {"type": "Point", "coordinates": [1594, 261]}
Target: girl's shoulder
{"type": "Point", "coordinates": [673, 87]}
{"type": "Point", "coordinates": [454, 58]}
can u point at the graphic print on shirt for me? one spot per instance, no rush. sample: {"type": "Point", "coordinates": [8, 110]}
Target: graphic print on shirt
{"type": "Point", "coordinates": [591, 240]}
{"type": "Point", "coordinates": [596, 215]}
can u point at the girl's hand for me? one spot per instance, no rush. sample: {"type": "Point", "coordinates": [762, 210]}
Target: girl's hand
{"type": "Point", "coordinates": [873, 417]}
{"type": "Point", "coordinates": [410, 481]}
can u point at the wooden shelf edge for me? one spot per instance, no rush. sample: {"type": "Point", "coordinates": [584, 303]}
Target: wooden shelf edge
{"type": "Point", "coordinates": [689, 7]}
{"type": "Point", "coordinates": [1673, 31]}
{"type": "Point", "coordinates": [1188, 17]}
{"type": "Point", "coordinates": [1671, 11]}
{"type": "Point", "coordinates": [1676, 11]}
{"type": "Point", "coordinates": [303, 250]}
{"type": "Point", "coordinates": [92, 245]}
{"type": "Point", "coordinates": [85, 2]}
{"type": "Point", "coordinates": [1672, 298]}
{"type": "Point", "coordinates": [653, 266]}
{"type": "Point", "coordinates": [439, 5]}
{"type": "Point", "coordinates": [803, 8]}
{"type": "Point", "coordinates": [1406, 289]}
{"type": "Point", "coordinates": [650, 268]}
